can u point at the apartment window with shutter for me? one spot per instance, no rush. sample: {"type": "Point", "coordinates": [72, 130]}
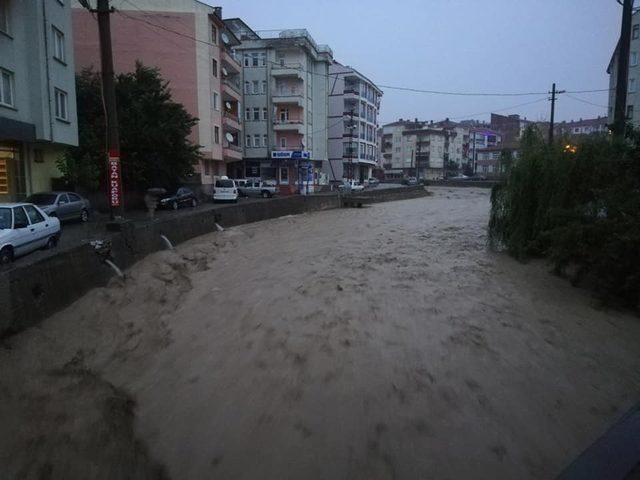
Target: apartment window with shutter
{"type": "Point", "coordinates": [216, 134]}
{"type": "Point", "coordinates": [256, 140]}
{"type": "Point", "coordinates": [248, 141]}
{"type": "Point", "coordinates": [247, 88]}
{"type": "Point", "coordinates": [247, 114]}
{"type": "Point", "coordinates": [256, 85]}
{"type": "Point", "coordinates": [264, 113]}
{"type": "Point", "coordinates": [216, 104]}
{"type": "Point", "coordinates": [58, 44]}
{"type": "Point", "coordinates": [264, 87]}
{"type": "Point", "coordinates": [214, 64]}
{"type": "Point", "coordinates": [7, 83]}
{"type": "Point", "coordinates": [4, 16]}
{"type": "Point", "coordinates": [256, 114]}
{"type": "Point", "coordinates": [61, 105]}
{"type": "Point", "coordinates": [263, 59]}
{"type": "Point", "coordinates": [265, 140]}
{"type": "Point", "coordinates": [214, 34]}
{"type": "Point", "coordinates": [246, 59]}
{"type": "Point", "coordinates": [254, 59]}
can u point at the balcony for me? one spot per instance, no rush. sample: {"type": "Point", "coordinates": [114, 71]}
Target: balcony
{"type": "Point", "coordinates": [229, 62]}
{"type": "Point", "coordinates": [231, 90]}
{"type": "Point", "coordinates": [291, 125]}
{"type": "Point", "coordinates": [288, 97]}
{"type": "Point", "coordinates": [231, 152]}
{"type": "Point", "coordinates": [279, 148]}
{"type": "Point", "coordinates": [288, 70]}
{"type": "Point", "coordinates": [231, 121]}
{"type": "Point", "coordinates": [386, 154]}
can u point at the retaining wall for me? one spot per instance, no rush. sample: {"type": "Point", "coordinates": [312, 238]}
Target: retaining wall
{"type": "Point", "coordinates": [32, 292]}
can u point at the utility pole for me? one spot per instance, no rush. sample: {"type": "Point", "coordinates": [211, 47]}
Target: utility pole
{"type": "Point", "coordinates": [353, 129]}
{"type": "Point", "coordinates": [114, 173]}
{"type": "Point", "coordinates": [418, 148]}
{"type": "Point", "coordinates": [622, 73]}
{"type": "Point", "coordinates": [553, 93]}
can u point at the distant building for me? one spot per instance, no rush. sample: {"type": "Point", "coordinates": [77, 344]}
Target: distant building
{"type": "Point", "coordinates": [191, 46]}
{"type": "Point", "coordinates": [285, 100]}
{"type": "Point", "coordinates": [488, 160]}
{"type": "Point", "coordinates": [481, 139]}
{"type": "Point", "coordinates": [633, 95]}
{"type": "Point", "coordinates": [353, 147]}
{"type": "Point", "coordinates": [38, 117]}
{"type": "Point", "coordinates": [511, 127]}
{"type": "Point", "coordinates": [587, 126]}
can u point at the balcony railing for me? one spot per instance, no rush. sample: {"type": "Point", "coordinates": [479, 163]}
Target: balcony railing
{"type": "Point", "coordinates": [232, 146]}
{"type": "Point", "coordinates": [288, 147]}
{"type": "Point", "coordinates": [289, 121]}
{"type": "Point", "coordinates": [288, 93]}
{"type": "Point", "coordinates": [235, 86]}
{"type": "Point", "coordinates": [231, 116]}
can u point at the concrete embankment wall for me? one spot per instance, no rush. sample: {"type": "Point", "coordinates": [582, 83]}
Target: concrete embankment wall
{"type": "Point", "coordinates": [30, 293]}
{"type": "Point", "coordinates": [463, 183]}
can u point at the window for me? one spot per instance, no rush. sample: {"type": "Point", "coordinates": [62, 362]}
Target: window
{"type": "Point", "coordinates": [61, 105]}
{"type": "Point", "coordinates": [247, 114]}
{"type": "Point", "coordinates": [256, 140]}
{"type": "Point", "coordinates": [216, 103]}
{"type": "Point", "coordinates": [254, 59]}
{"type": "Point", "coordinates": [34, 215]}
{"type": "Point", "coordinates": [247, 87]}
{"type": "Point", "coordinates": [58, 44]}
{"type": "Point", "coordinates": [246, 59]}
{"type": "Point", "coordinates": [216, 134]}
{"type": "Point", "coordinates": [629, 112]}
{"type": "Point", "coordinates": [256, 84]}
{"type": "Point", "coordinates": [263, 59]}
{"type": "Point", "coordinates": [265, 140]}
{"type": "Point", "coordinates": [248, 141]}
{"type": "Point", "coordinates": [214, 34]}
{"type": "Point", "coordinates": [256, 114]}
{"type": "Point", "coordinates": [214, 64]}
{"type": "Point", "coordinates": [283, 142]}
{"type": "Point", "coordinates": [633, 61]}
{"type": "Point", "coordinates": [4, 16]}
{"type": "Point", "coordinates": [264, 113]}
{"type": "Point", "coordinates": [20, 218]}
{"type": "Point", "coordinates": [284, 114]}
{"type": "Point", "coordinates": [207, 167]}
{"type": "Point", "coordinates": [74, 198]}
{"type": "Point", "coordinates": [264, 87]}
{"type": "Point", "coordinates": [635, 33]}
{"type": "Point", "coordinates": [284, 175]}
{"type": "Point", "coordinates": [632, 85]}
{"type": "Point", "coordinates": [6, 87]}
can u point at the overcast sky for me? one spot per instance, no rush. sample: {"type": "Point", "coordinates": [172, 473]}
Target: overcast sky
{"type": "Point", "coordinates": [459, 45]}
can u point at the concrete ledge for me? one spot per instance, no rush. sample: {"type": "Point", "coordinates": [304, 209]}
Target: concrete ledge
{"type": "Point", "coordinates": [32, 292]}
{"type": "Point", "coordinates": [463, 183]}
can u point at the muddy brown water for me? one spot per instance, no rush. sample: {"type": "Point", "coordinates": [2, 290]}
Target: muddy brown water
{"type": "Point", "coordinates": [379, 343]}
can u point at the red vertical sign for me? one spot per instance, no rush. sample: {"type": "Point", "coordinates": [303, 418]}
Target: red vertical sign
{"type": "Point", "coordinates": [115, 180]}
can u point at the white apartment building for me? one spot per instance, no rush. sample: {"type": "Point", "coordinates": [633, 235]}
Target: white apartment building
{"type": "Point", "coordinates": [285, 107]}
{"type": "Point", "coordinates": [633, 93]}
{"type": "Point", "coordinates": [37, 94]}
{"type": "Point", "coordinates": [354, 104]}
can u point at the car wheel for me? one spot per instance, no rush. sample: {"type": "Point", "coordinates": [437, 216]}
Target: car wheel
{"type": "Point", "coordinates": [265, 194]}
{"type": "Point", "coordinates": [84, 216]}
{"type": "Point", "coordinates": [6, 255]}
{"type": "Point", "coordinates": [52, 242]}
{"type": "Point", "coordinates": [194, 202]}
{"type": "Point", "coordinates": [174, 205]}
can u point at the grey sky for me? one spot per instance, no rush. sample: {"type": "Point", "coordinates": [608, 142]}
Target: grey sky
{"type": "Point", "coordinates": [459, 45]}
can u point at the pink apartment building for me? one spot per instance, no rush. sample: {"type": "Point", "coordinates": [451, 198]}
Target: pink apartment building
{"type": "Point", "coordinates": [193, 49]}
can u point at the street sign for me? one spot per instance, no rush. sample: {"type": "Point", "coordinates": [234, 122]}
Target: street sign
{"type": "Point", "coordinates": [290, 154]}
{"type": "Point", "coordinates": [115, 180]}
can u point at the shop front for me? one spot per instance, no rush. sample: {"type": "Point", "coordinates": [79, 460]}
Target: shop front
{"type": "Point", "coordinates": [12, 173]}
{"type": "Point", "coordinates": [296, 172]}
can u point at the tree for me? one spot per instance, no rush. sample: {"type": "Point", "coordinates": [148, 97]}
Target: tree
{"type": "Point", "coordinates": [154, 133]}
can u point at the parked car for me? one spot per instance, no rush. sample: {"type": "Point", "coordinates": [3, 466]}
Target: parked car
{"type": "Point", "coordinates": [23, 228]}
{"type": "Point", "coordinates": [459, 177]}
{"type": "Point", "coordinates": [183, 196]}
{"type": "Point", "coordinates": [225, 190]}
{"type": "Point", "coordinates": [64, 205]}
{"type": "Point", "coordinates": [258, 189]}
{"type": "Point", "coordinates": [350, 186]}
{"type": "Point", "coordinates": [410, 181]}
{"type": "Point", "coordinates": [373, 182]}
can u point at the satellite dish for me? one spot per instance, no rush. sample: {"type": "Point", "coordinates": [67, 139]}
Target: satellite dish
{"type": "Point", "coordinates": [228, 105]}
{"type": "Point", "coordinates": [225, 38]}
{"type": "Point", "coordinates": [224, 71]}
{"type": "Point", "coordinates": [229, 137]}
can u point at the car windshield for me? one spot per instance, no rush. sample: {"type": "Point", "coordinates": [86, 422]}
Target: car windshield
{"type": "Point", "coordinates": [43, 198]}
{"type": "Point", "coordinates": [224, 183]}
{"type": "Point", "coordinates": [5, 218]}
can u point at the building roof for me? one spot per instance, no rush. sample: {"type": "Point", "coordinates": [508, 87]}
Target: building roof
{"type": "Point", "coordinates": [349, 68]}
{"type": "Point", "coordinates": [587, 122]}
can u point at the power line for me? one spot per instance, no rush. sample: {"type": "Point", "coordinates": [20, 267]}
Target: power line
{"type": "Point", "coordinates": [462, 117]}
{"type": "Point", "coordinates": [390, 87]}
{"type": "Point", "coordinates": [587, 101]}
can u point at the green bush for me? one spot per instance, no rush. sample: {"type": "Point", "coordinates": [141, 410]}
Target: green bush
{"type": "Point", "coordinates": [579, 208]}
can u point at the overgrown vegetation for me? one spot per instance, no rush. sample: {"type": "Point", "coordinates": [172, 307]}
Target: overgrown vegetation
{"type": "Point", "coordinates": [579, 206]}
{"type": "Point", "coordinates": [154, 133]}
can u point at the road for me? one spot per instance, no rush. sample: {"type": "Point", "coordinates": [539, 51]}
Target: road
{"type": "Point", "coordinates": [378, 343]}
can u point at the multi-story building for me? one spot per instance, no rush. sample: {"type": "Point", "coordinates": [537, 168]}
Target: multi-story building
{"type": "Point", "coordinates": [587, 126]}
{"type": "Point", "coordinates": [488, 160]}
{"type": "Point", "coordinates": [37, 94]}
{"type": "Point", "coordinates": [354, 103]}
{"type": "Point", "coordinates": [482, 139]}
{"type": "Point", "coordinates": [511, 127]}
{"type": "Point", "coordinates": [193, 49]}
{"type": "Point", "coordinates": [285, 100]}
{"type": "Point", "coordinates": [633, 95]}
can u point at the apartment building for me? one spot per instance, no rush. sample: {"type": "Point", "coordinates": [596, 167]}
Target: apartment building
{"type": "Point", "coordinates": [481, 139]}
{"type": "Point", "coordinates": [488, 160]}
{"type": "Point", "coordinates": [587, 126]}
{"type": "Point", "coordinates": [286, 107]}
{"type": "Point", "coordinates": [633, 95]}
{"type": "Point", "coordinates": [37, 94]}
{"type": "Point", "coordinates": [354, 104]}
{"type": "Point", "coordinates": [194, 50]}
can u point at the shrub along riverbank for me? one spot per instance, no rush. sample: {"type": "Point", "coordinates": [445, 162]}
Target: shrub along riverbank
{"type": "Point", "coordinates": [579, 205]}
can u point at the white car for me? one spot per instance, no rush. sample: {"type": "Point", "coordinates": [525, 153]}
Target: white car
{"type": "Point", "coordinates": [351, 186]}
{"type": "Point", "coordinates": [225, 190]}
{"type": "Point", "coordinates": [24, 228]}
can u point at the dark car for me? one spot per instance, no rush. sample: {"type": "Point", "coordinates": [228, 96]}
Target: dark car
{"type": "Point", "coordinates": [64, 205]}
{"type": "Point", "coordinates": [184, 196]}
